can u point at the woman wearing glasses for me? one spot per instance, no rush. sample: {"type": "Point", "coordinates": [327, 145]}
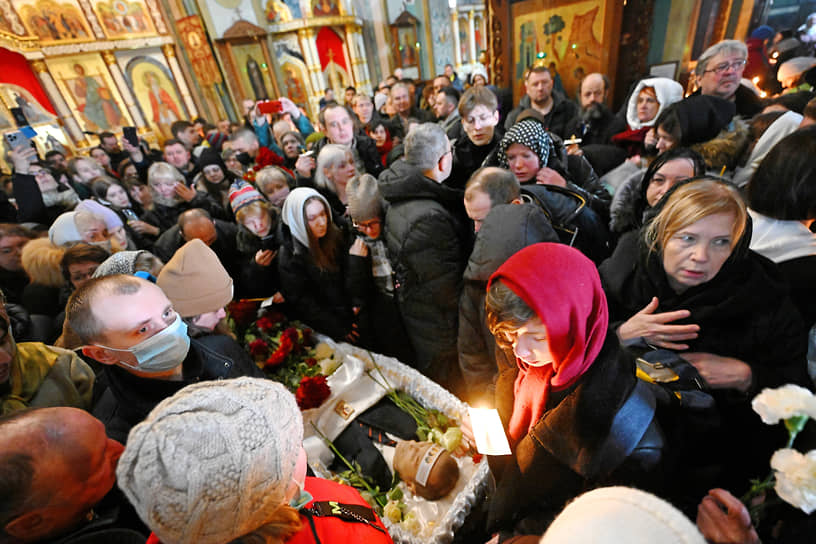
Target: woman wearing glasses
{"type": "Point", "coordinates": [370, 276]}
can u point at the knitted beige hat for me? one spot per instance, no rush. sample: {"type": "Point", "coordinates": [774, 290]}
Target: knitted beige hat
{"type": "Point", "coordinates": [195, 281]}
{"type": "Point", "coordinates": [211, 463]}
{"type": "Point", "coordinates": [364, 200]}
{"type": "Point", "coordinates": [621, 514]}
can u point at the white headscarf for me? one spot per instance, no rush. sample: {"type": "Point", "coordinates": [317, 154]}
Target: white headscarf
{"type": "Point", "coordinates": [292, 212]}
{"type": "Point", "coordinates": [668, 92]}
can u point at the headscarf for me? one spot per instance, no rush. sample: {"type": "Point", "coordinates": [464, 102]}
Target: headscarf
{"type": "Point", "coordinates": [530, 133]}
{"type": "Point", "coordinates": [667, 92]}
{"type": "Point", "coordinates": [293, 212]}
{"type": "Point", "coordinates": [563, 288]}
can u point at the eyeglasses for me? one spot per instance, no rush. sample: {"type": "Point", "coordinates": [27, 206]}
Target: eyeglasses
{"type": "Point", "coordinates": [722, 67]}
{"type": "Point", "coordinates": [366, 225]}
{"type": "Point", "coordinates": [448, 152]}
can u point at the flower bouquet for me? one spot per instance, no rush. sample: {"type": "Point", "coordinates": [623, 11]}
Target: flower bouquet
{"type": "Point", "coordinates": [284, 350]}
{"type": "Point", "coordinates": [793, 474]}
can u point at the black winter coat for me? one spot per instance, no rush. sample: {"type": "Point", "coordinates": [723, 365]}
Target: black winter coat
{"type": "Point", "coordinates": [469, 157]}
{"type": "Point", "coordinates": [165, 217]}
{"type": "Point", "coordinates": [568, 450]}
{"type": "Point", "coordinates": [744, 312]}
{"type": "Point", "coordinates": [130, 398]}
{"type": "Point", "coordinates": [254, 280]}
{"type": "Point", "coordinates": [380, 321]}
{"type": "Point", "coordinates": [316, 297]}
{"type": "Point", "coordinates": [427, 237]}
{"type": "Point", "coordinates": [507, 229]}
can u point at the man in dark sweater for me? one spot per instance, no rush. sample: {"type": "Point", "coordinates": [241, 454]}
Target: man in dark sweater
{"type": "Point", "coordinates": [557, 111]}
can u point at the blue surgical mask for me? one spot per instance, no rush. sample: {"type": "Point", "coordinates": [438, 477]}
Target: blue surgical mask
{"type": "Point", "coordinates": [163, 351]}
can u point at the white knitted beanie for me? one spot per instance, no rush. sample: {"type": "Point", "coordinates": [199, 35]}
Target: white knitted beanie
{"type": "Point", "coordinates": [621, 514]}
{"type": "Point", "coordinates": [212, 462]}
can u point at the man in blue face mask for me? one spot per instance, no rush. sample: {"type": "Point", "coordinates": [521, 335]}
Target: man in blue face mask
{"type": "Point", "coordinates": [128, 325]}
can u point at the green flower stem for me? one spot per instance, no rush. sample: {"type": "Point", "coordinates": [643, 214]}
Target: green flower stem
{"type": "Point", "coordinates": [794, 425]}
{"type": "Point", "coordinates": [377, 496]}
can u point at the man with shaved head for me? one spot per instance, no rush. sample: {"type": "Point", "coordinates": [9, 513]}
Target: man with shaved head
{"type": "Point", "coordinates": [57, 476]}
{"type": "Point", "coordinates": [129, 325]}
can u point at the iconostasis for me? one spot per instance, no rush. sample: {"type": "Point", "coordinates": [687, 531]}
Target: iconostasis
{"type": "Point", "coordinates": [81, 67]}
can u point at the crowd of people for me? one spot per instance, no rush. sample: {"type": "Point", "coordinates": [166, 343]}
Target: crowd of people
{"type": "Point", "coordinates": [528, 258]}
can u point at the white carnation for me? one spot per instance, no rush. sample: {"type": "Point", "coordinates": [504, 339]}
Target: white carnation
{"type": "Point", "coordinates": [784, 402]}
{"type": "Point", "coordinates": [796, 478]}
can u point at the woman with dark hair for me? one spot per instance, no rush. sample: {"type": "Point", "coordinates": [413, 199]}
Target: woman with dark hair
{"type": "Point", "coordinates": [113, 195]}
{"type": "Point", "coordinates": [633, 199]}
{"type": "Point", "coordinates": [215, 178]}
{"type": "Point", "coordinates": [381, 134]}
{"type": "Point", "coordinates": [563, 383]}
{"type": "Point", "coordinates": [687, 282]}
{"type": "Point", "coordinates": [311, 265]}
{"type": "Point", "coordinates": [782, 204]}
{"type": "Point", "coordinates": [292, 145]}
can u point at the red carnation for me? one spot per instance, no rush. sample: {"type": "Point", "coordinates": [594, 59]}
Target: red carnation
{"type": "Point", "coordinates": [311, 361]}
{"type": "Point", "coordinates": [265, 324]}
{"type": "Point", "coordinates": [242, 311]}
{"type": "Point", "coordinates": [258, 348]}
{"type": "Point", "coordinates": [284, 349]}
{"type": "Point", "coordinates": [312, 392]}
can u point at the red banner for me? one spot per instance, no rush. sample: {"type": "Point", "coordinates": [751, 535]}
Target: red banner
{"type": "Point", "coordinates": [198, 49]}
{"type": "Point", "coordinates": [17, 71]}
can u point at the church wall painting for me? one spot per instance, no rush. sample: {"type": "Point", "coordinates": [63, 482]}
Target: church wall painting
{"type": "Point", "coordinates": [124, 18]}
{"type": "Point", "coordinates": [157, 95]}
{"type": "Point", "coordinates": [291, 72]}
{"type": "Point", "coordinates": [568, 34]}
{"type": "Point", "coordinates": [54, 21]}
{"type": "Point", "coordinates": [89, 90]}
{"type": "Point", "coordinates": [253, 71]}
{"type": "Point", "coordinates": [10, 22]}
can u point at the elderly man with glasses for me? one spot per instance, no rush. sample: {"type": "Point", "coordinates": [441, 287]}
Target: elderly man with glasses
{"type": "Point", "coordinates": [719, 72]}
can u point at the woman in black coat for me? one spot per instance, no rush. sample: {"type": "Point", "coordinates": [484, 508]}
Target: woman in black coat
{"type": "Point", "coordinates": [687, 282]}
{"type": "Point", "coordinates": [311, 264]}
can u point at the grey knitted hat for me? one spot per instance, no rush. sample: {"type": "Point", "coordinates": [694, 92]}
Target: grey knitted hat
{"type": "Point", "coordinates": [121, 262]}
{"type": "Point", "coordinates": [212, 462]}
{"type": "Point", "coordinates": [364, 201]}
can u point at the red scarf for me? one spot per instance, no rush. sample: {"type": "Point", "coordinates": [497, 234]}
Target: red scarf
{"type": "Point", "coordinates": [563, 288]}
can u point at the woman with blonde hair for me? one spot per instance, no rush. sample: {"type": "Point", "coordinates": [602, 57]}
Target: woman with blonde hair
{"type": "Point", "coordinates": [335, 167]}
{"type": "Point", "coordinates": [42, 262]}
{"type": "Point", "coordinates": [687, 282]}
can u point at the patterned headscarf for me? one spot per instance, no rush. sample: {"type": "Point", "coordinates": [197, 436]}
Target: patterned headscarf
{"type": "Point", "coordinates": [530, 133]}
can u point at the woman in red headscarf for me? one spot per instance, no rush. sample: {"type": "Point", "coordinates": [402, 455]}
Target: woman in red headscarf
{"type": "Point", "coordinates": [575, 414]}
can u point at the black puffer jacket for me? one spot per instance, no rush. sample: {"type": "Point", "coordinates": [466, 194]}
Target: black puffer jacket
{"type": "Point", "coordinates": [426, 237]}
{"type": "Point", "coordinates": [316, 297]}
{"type": "Point", "coordinates": [129, 398]}
{"type": "Point", "coordinates": [506, 229]}
{"type": "Point", "coordinates": [744, 312]}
